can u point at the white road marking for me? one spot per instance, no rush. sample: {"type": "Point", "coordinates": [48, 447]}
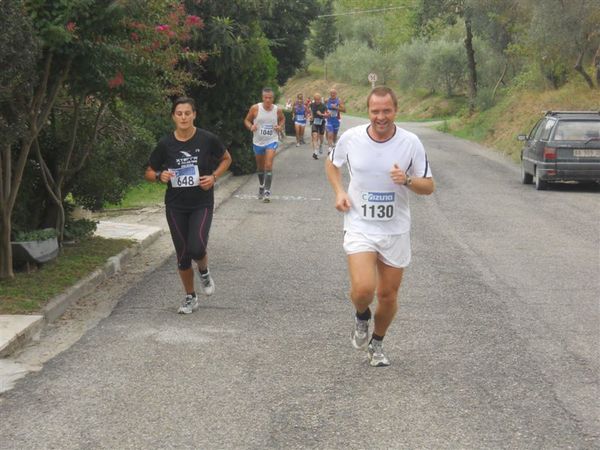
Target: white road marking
{"type": "Point", "coordinates": [293, 198]}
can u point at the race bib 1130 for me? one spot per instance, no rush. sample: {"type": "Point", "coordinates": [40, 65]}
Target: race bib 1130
{"type": "Point", "coordinates": [378, 205]}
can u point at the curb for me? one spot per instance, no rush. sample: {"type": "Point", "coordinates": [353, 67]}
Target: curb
{"type": "Point", "coordinates": [57, 306]}
{"type": "Point", "coordinates": [23, 336]}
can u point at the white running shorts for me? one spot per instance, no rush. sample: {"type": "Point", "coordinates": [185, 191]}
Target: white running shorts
{"type": "Point", "coordinates": [393, 250]}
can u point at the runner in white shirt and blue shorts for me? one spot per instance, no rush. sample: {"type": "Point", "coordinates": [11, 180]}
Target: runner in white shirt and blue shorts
{"type": "Point", "coordinates": [265, 120]}
{"type": "Point", "coordinates": [385, 163]}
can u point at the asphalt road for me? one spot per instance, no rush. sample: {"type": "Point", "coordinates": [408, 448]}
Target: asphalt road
{"type": "Point", "coordinates": [496, 343]}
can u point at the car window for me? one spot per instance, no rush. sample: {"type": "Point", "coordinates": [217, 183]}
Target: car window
{"type": "Point", "coordinates": [577, 130]}
{"type": "Point", "coordinates": [537, 129]}
{"type": "Point", "coordinates": [546, 129]}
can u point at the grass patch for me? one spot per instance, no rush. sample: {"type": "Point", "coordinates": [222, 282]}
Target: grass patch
{"type": "Point", "coordinates": [27, 293]}
{"type": "Point", "coordinates": [140, 196]}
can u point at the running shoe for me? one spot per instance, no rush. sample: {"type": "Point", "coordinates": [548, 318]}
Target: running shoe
{"type": "Point", "coordinates": [297, 144]}
{"type": "Point", "coordinates": [329, 150]}
{"type": "Point", "coordinates": [261, 192]}
{"type": "Point", "coordinates": [360, 334]}
{"type": "Point", "coordinates": [207, 284]}
{"type": "Point", "coordinates": [189, 305]}
{"type": "Point", "coordinates": [267, 198]}
{"type": "Point", "coordinates": [375, 354]}
{"type": "Point", "coordinates": [315, 156]}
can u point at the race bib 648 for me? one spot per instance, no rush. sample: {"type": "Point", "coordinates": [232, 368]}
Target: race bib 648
{"type": "Point", "coordinates": [185, 177]}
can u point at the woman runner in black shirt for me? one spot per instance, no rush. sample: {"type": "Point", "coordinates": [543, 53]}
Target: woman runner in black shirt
{"type": "Point", "coordinates": [190, 160]}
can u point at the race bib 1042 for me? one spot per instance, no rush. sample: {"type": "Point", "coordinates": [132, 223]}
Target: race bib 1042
{"type": "Point", "coordinates": [185, 177]}
{"type": "Point", "coordinates": [378, 205]}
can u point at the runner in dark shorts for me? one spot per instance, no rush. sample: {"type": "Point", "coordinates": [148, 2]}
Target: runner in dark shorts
{"type": "Point", "coordinates": [318, 115]}
{"type": "Point", "coordinates": [190, 160]}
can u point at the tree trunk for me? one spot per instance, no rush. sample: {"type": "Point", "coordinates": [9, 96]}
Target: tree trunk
{"type": "Point", "coordinates": [501, 80]}
{"type": "Point", "coordinates": [39, 107]}
{"type": "Point", "coordinates": [56, 211]}
{"type": "Point", "coordinates": [472, 83]}
{"type": "Point", "coordinates": [6, 270]}
{"type": "Point", "coordinates": [579, 68]}
{"type": "Point", "coordinates": [5, 247]}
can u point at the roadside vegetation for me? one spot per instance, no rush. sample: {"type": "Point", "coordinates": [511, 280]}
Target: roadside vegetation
{"type": "Point", "coordinates": [29, 292]}
{"type": "Point", "coordinates": [517, 112]}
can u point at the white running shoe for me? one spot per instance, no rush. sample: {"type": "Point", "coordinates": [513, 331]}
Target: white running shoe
{"type": "Point", "coordinates": [267, 198]}
{"type": "Point", "coordinates": [360, 334]}
{"type": "Point", "coordinates": [189, 305]}
{"type": "Point", "coordinates": [207, 284]}
{"type": "Point", "coordinates": [376, 356]}
{"type": "Point", "coordinates": [261, 192]}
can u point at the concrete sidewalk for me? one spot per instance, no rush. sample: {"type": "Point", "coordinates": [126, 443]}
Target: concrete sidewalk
{"type": "Point", "coordinates": [18, 330]}
{"type": "Point", "coordinates": [144, 226]}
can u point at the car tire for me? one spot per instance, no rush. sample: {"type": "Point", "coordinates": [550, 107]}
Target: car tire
{"type": "Point", "coordinates": [540, 185]}
{"type": "Point", "coordinates": [526, 178]}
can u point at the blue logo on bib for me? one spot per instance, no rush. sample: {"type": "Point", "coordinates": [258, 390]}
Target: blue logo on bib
{"type": "Point", "coordinates": [384, 197]}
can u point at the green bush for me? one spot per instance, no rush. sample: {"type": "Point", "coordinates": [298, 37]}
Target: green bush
{"type": "Point", "coordinates": [35, 235]}
{"type": "Point", "coordinates": [79, 229]}
{"type": "Point", "coordinates": [233, 79]}
{"type": "Point", "coordinates": [117, 162]}
{"type": "Point", "coordinates": [353, 61]}
{"type": "Point", "coordinates": [411, 62]}
{"type": "Point", "coordinates": [445, 66]}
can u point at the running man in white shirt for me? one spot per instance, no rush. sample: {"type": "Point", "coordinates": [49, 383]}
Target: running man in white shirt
{"type": "Point", "coordinates": [265, 120]}
{"type": "Point", "coordinates": [385, 162]}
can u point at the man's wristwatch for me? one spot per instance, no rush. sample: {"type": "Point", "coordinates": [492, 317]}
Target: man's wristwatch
{"type": "Point", "coordinates": [407, 181]}
{"type": "Point", "coordinates": [157, 175]}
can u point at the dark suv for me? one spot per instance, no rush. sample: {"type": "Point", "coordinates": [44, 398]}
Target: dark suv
{"type": "Point", "coordinates": [562, 146]}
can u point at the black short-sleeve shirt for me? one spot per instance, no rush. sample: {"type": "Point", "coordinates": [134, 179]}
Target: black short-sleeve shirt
{"type": "Point", "coordinates": [204, 150]}
{"type": "Point", "coordinates": [314, 107]}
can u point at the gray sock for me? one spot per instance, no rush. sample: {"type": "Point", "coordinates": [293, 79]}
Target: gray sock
{"type": "Point", "coordinates": [268, 179]}
{"type": "Point", "coordinates": [261, 178]}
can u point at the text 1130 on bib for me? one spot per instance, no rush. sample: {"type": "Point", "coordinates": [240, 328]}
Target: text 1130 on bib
{"type": "Point", "coordinates": [378, 205]}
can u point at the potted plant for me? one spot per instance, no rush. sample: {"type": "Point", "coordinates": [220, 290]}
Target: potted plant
{"type": "Point", "coordinates": [35, 247]}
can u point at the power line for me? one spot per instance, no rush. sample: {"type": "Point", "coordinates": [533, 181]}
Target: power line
{"type": "Point", "coordinates": [362, 11]}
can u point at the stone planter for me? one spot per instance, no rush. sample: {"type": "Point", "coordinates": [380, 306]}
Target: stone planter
{"type": "Point", "coordinates": [34, 252]}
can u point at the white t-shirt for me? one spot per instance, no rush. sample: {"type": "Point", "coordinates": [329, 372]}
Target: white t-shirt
{"type": "Point", "coordinates": [379, 206]}
{"type": "Point", "coordinates": [266, 121]}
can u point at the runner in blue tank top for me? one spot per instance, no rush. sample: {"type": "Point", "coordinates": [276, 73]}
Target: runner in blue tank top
{"type": "Point", "coordinates": [300, 113]}
{"type": "Point", "coordinates": [334, 107]}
